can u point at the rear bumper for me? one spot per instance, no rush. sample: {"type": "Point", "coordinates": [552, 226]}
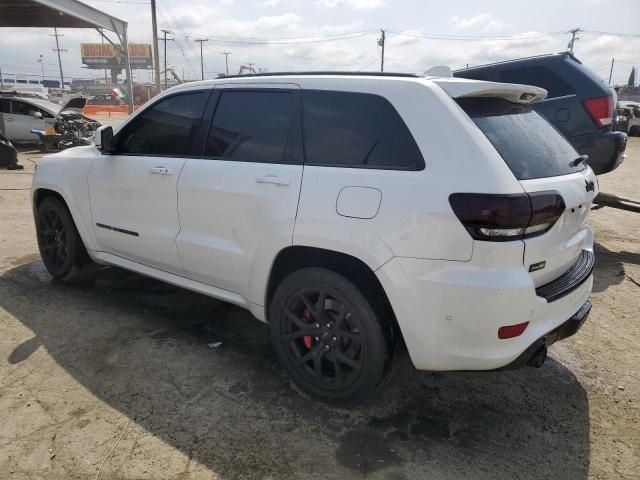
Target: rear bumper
{"type": "Point", "coordinates": [605, 149]}
{"type": "Point", "coordinates": [449, 312]}
{"type": "Point", "coordinates": [568, 328]}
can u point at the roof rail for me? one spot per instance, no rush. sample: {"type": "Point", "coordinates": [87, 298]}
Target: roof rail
{"type": "Point", "coordinates": [339, 73]}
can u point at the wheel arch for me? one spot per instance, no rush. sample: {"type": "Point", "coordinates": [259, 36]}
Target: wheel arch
{"type": "Point", "coordinates": [40, 193]}
{"type": "Point", "coordinates": [296, 257]}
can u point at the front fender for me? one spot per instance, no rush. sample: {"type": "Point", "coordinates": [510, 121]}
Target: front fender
{"type": "Point", "coordinates": [66, 174]}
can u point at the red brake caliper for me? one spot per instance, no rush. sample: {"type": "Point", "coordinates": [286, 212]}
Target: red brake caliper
{"type": "Point", "coordinates": [307, 319]}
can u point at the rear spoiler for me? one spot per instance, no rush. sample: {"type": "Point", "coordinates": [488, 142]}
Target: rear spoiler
{"type": "Point", "coordinates": [513, 92]}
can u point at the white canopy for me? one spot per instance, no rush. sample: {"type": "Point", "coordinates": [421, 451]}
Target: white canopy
{"type": "Point", "coordinates": [65, 14]}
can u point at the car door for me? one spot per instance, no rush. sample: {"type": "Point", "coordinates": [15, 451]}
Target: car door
{"type": "Point", "coordinates": [133, 191]}
{"type": "Point", "coordinates": [21, 120]}
{"type": "Point", "coordinates": [238, 202]}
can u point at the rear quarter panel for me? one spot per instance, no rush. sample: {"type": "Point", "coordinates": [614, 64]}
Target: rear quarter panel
{"type": "Point", "coordinates": [415, 218]}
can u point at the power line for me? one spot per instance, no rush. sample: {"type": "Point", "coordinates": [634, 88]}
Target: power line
{"type": "Point", "coordinates": [470, 38]}
{"type": "Point", "coordinates": [299, 37]}
{"type": "Point", "coordinates": [223, 40]}
{"type": "Point", "coordinates": [613, 34]}
{"type": "Point", "coordinates": [368, 64]}
{"type": "Point", "coordinates": [120, 1]}
{"type": "Point", "coordinates": [166, 7]}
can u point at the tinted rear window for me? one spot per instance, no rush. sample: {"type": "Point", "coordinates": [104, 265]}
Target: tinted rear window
{"type": "Point", "coordinates": [531, 146]}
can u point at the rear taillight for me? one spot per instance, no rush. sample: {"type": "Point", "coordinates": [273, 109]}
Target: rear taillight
{"type": "Point", "coordinates": [501, 218]}
{"type": "Point", "coordinates": [600, 109]}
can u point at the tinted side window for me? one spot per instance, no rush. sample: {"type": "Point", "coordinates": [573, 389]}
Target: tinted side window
{"type": "Point", "coordinates": [4, 106]}
{"type": "Point", "coordinates": [167, 128]}
{"type": "Point", "coordinates": [538, 76]}
{"type": "Point", "coordinates": [356, 130]}
{"type": "Point", "coordinates": [252, 126]}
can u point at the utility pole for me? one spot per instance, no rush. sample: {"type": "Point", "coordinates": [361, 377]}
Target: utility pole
{"type": "Point", "coordinates": [41, 60]}
{"type": "Point", "coordinates": [381, 44]}
{"type": "Point", "coordinates": [573, 32]}
{"type": "Point", "coordinates": [226, 61]}
{"type": "Point", "coordinates": [611, 71]}
{"type": "Point", "coordinates": [165, 39]}
{"type": "Point", "coordinates": [106, 82]}
{"type": "Point", "coordinates": [1, 79]}
{"type": "Point", "coordinates": [156, 50]}
{"type": "Point", "coordinates": [58, 50]}
{"type": "Point", "coordinates": [201, 41]}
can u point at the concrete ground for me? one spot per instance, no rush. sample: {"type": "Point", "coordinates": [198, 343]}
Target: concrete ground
{"type": "Point", "coordinates": [119, 374]}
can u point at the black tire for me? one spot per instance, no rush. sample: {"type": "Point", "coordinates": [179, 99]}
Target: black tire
{"type": "Point", "coordinates": [634, 131]}
{"type": "Point", "coordinates": [60, 245]}
{"type": "Point", "coordinates": [345, 339]}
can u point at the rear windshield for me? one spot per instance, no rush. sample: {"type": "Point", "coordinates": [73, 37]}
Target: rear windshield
{"type": "Point", "coordinates": [531, 146]}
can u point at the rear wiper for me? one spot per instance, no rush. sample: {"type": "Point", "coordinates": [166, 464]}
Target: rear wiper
{"type": "Point", "coordinates": [579, 160]}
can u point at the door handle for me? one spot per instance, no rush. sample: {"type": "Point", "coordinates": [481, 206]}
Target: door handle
{"type": "Point", "coordinates": [9, 119]}
{"type": "Point", "coordinates": [274, 180]}
{"type": "Point", "coordinates": [160, 171]}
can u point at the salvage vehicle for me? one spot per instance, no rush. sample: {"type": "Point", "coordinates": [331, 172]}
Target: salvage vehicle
{"type": "Point", "coordinates": [628, 118]}
{"type": "Point", "coordinates": [20, 117]}
{"type": "Point", "coordinates": [578, 103]}
{"type": "Point", "coordinates": [352, 212]}
{"type": "Point", "coordinates": [105, 99]}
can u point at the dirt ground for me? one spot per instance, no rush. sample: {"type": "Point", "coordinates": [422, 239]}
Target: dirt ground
{"type": "Point", "coordinates": [122, 370]}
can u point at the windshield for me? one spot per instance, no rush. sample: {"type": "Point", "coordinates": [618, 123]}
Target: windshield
{"type": "Point", "coordinates": [531, 146]}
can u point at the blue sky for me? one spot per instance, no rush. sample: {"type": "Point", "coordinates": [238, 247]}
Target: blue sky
{"type": "Point", "coordinates": [540, 26]}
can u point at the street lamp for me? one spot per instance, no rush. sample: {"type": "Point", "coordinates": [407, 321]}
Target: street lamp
{"type": "Point", "coordinates": [41, 60]}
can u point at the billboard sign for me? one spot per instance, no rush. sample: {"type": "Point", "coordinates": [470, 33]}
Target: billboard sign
{"type": "Point", "coordinates": [105, 55]}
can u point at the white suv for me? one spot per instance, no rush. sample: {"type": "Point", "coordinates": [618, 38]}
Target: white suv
{"type": "Point", "coordinates": [349, 211]}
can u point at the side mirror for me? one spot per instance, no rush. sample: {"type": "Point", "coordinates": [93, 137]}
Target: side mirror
{"type": "Point", "coordinates": [37, 114]}
{"type": "Point", "coordinates": [104, 138]}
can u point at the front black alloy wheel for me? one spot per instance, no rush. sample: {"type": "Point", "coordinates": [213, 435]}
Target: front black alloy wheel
{"type": "Point", "coordinates": [60, 245]}
{"type": "Point", "coordinates": [54, 242]}
{"type": "Point", "coordinates": [327, 336]}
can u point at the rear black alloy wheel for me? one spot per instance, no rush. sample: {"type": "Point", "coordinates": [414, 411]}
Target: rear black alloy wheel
{"type": "Point", "coordinates": [323, 337]}
{"type": "Point", "coordinates": [60, 245]}
{"type": "Point", "coordinates": [327, 336]}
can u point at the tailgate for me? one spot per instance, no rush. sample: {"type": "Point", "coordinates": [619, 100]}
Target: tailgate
{"type": "Point", "coordinates": [541, 160]}
{"type": "Point", "coordinates": [560, 247]}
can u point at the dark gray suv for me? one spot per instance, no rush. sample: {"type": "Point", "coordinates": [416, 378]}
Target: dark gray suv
{"type": "Point", "coordinates": [579, 104]}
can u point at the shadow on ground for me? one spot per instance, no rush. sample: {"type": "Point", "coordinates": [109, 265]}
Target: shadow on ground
{"type": "Point", "coordinates": [610, 267]}
{"type": "Point", "coordinates": [142, 347]}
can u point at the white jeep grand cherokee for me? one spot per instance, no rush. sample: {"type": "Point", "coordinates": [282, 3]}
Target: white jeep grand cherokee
{"type": "Point", "coordinates": [349, 211]}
